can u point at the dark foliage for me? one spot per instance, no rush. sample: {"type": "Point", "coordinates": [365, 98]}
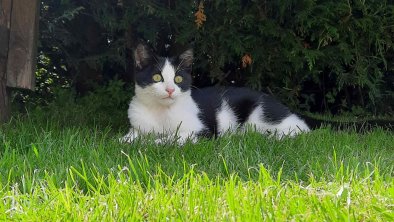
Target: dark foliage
{"type": "Point", "coordinates": [325, 55]}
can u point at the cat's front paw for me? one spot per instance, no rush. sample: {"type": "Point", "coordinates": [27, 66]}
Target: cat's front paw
{"type": "Point", "coordinates": [180, 139]}
{"type": "Point", "coordinates": [163, 140]}
{"type": "Point", "coordinates": [185, 138]}
{"type": "Point", "coordinates": [126, 139]}
{"type": "Point", "coordinates": [129, 137]}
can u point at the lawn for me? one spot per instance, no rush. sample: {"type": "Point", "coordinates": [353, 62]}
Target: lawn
{"type": "Point", "coordinates": [62, 164]}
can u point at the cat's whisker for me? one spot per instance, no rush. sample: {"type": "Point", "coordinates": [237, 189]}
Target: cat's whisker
{"type": "Point", "coordinates": [155, 58]}
{"type": "Point", "coordinates": [194, 87]}
{"type": "Point", "coordinates": [158, 64]}
{"type": "Point", "coordinates": [180, 65]}
{"type": "Point", "coordinates": [182, 69]}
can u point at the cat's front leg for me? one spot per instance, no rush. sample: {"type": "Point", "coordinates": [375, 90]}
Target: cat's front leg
{"type": "Point", "coordinates": [180, 138]}
{"type": "Point", "coordinates": [129, 137]}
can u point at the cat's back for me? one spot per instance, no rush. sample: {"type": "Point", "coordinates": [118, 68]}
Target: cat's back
{"type": "Point", "coordinates": [213, 96]}
{"type": "Point", "coordinates": [244, 101]}
{"type": "Point", "coordinates": [221, 107]}
{"type": "Point", "coordinates": [241, 99]}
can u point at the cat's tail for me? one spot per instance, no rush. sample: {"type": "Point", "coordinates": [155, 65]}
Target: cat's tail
{"type": "Point", "coordinates": [357, 125]}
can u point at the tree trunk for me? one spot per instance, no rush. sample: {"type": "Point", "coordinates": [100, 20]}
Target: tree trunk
{"type": "Point", "coordinates": [5, 13]}
{"type": "Point", "coordinates": [22, 44]}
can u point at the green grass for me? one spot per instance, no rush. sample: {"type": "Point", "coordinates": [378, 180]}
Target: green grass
{"type": "Point", "coordinates": [66, 164]}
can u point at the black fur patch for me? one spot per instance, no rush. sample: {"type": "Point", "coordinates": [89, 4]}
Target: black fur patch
{"type": "Point", "coordinates": [181, 69]}
{"type": "Point", "coordinates": [208, 101]}
{"type": "Point", "coordinates": [273, 110]}
{"type": "Point", "coordinates": [143, 75]}
{"type": "Point", "coordinates": [241, 100]}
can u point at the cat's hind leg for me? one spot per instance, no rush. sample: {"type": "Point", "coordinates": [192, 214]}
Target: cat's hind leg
{"type": "Point", "coordinates": [288, 126]}
{"type": "Point", "coordinates": [291, 126]}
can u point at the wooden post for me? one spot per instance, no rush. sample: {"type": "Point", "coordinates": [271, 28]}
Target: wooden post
{"type": "Point", "coordinates": [5, 23]}
{"type": "Point", "coordinates": [21, 63]}
{"type": "Point", "coordinates": [18, 47]}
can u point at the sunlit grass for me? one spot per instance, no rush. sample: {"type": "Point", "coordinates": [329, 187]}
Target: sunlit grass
{"type": "Point", "coordinates": [67, 169]}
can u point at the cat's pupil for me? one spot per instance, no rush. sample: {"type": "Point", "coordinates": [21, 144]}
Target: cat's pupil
{"type": "Point", "coordinates": [156, 77]}
{"type": "Point", "coordinates": [178, 79]}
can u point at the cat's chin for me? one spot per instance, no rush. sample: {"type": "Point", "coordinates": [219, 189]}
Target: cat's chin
{"type": "Point", "coordinates": [167, 101]}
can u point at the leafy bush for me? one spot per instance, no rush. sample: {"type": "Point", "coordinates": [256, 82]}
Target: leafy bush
{"type": "Point", "coordinates": [323, 55]}
{"type": "Point", "coordinates": [102, 107]}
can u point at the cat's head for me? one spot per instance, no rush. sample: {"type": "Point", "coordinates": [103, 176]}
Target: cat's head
{"type": "Point", "coordinates": [160, 79]}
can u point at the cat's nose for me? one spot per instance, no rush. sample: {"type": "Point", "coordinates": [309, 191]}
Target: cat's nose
{"type": "Point", "coordinates": [170, 90]}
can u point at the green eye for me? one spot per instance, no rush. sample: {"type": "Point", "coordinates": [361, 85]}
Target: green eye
{"type": "Point", "coordinates": [178, 79]}
{"type": "Point", "coordinates": [156, 77]}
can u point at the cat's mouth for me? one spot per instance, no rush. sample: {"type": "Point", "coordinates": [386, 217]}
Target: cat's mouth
{"type": "Point", "coordinates": [168, 97]}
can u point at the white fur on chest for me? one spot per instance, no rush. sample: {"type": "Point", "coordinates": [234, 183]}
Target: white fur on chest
{"type": "Point", "coordinates": [179, 117]}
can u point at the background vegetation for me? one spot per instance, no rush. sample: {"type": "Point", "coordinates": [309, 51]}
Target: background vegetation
{"type": "Point", "coordinates": [64, 160]}
{"type": "Point", "coordinates": [319, 56]}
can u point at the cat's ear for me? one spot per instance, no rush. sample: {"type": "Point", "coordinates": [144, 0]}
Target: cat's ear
{"type": "Point", "coordinates": [142, 55]}
{"type": "Point", "coordinates": [186, 58]}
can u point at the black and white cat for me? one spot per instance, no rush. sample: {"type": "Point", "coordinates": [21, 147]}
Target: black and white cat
{"type": "Point", "coordinates": [165, 104]}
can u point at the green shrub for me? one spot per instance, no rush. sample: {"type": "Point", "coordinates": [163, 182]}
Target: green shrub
{"type": "Point", "coordinates": [316, 55]}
